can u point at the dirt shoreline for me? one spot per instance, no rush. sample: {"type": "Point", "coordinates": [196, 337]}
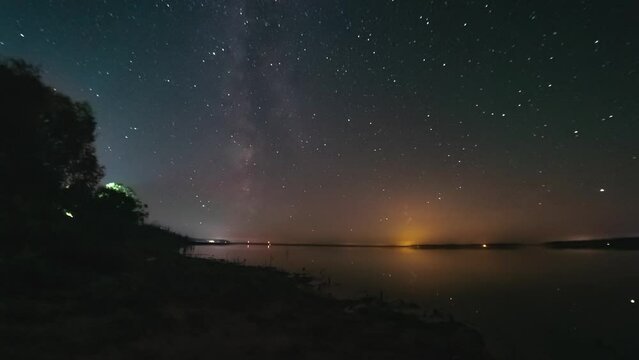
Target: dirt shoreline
{"type": "Point", "coordinates": [168, 307]}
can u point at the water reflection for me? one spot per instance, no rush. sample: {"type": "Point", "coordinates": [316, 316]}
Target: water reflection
{"type": "Point", "coordinates": [529, 303]}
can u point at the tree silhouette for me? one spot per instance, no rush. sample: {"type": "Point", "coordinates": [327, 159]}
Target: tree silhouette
{"type": "Point", "coordinates": [47, 157]}
{"type": "Point", "coordinates": [116, 204]}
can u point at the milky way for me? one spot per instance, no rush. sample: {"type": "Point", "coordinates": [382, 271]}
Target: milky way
{"type": "Point", "coordinates": [385, 121]}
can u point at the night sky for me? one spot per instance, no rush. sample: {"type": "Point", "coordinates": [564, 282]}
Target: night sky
{"type": "Point", "coordinates": [356, 121]}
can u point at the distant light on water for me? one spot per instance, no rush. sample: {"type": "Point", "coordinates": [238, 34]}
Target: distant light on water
{"type": "Point", "coordinates": [484, 245]}
{"type": "Point", "coordinates": [632, 301]}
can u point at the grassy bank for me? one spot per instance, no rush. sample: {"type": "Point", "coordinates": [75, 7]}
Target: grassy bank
{"type": "Point", "coordinates": [142, 301]}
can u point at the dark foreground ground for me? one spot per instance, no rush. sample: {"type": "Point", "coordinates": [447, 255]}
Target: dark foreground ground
{"type": "Point", "coordinates": [101, 304]}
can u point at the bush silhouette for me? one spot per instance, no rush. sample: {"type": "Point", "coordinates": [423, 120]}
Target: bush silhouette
{"type": "Point", "coordinates": [116, 204]}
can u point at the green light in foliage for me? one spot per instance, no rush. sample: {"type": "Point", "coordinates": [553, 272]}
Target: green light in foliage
{"type": "Point", "coordinates": [120, 188]}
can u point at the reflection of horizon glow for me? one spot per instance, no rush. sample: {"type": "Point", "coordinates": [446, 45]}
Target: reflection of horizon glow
{"type": "Point", "coordinates": [476, 280]}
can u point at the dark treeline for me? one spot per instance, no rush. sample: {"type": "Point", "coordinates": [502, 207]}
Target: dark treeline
{"type": "Point", "coordinates": [51, 196]}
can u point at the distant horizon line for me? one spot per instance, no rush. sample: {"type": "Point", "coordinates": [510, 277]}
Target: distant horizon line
{"type": "Point", "coordinates": [497, 244]}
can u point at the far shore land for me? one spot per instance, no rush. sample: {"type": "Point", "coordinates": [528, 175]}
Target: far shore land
{"type": "Point", "coordinates": [600, 244]}
{"type": "Point", "coordinates": [142, 299]}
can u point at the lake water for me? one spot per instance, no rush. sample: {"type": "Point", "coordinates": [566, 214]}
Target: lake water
{"type": "Point", "coordinates": [530, 303]}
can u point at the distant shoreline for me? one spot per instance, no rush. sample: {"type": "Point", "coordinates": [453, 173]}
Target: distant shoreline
{"type": "Point", "coordinates": [596, 244]}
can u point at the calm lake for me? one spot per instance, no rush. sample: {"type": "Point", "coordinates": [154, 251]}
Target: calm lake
{"type": "Point", "coordinates": [530, 303]}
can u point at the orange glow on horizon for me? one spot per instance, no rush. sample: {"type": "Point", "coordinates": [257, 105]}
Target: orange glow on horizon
{"type": "Point", "coordinates": [410, 235]}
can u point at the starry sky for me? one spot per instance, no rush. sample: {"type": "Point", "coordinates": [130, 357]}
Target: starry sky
{"type": "Point", "coordinates": [355, 121]}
